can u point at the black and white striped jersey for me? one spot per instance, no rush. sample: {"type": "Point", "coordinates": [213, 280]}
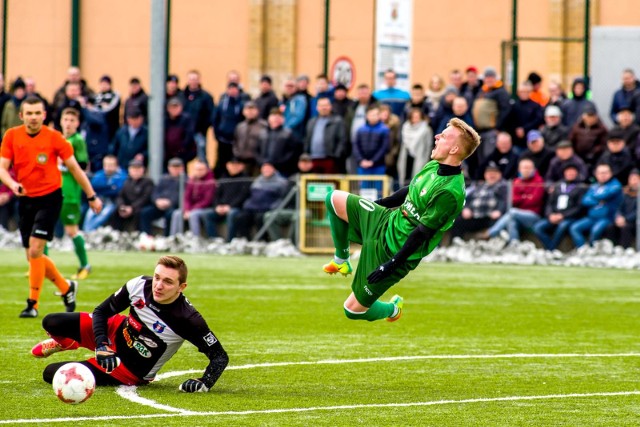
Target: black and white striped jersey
{"type": "Point", "coordinates": [152, 332]}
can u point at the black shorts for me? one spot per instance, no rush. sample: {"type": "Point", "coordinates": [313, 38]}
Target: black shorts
{"type": "Point", "coordinates": [37, 216]}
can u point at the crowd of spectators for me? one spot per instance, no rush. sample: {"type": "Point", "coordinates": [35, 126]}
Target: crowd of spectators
{"type": "Point", "coordinates": [568, 175]}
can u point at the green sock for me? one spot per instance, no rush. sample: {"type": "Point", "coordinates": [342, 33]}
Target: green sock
{"type": "Point", "coordinates": [46, 249]}
{"type": "Point", "coordinates": [378, 310]}
{"type": "Point", "coordinates": [81, 252]}
{"type": "Point", "coordinates": [339, 231]}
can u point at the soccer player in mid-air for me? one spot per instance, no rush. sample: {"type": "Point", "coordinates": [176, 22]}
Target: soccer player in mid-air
{"type": "Point", "coordinates": [395, 240]}
{"type": "Point", "coordinates": [132, 349]}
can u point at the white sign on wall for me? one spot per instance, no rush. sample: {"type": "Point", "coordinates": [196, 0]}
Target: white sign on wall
{"type": "Point", "coordinates": [394, 31]}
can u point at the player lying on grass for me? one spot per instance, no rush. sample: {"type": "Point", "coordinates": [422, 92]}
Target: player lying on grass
{"type": "Point", "coordinates": [395, 240]}
{"type": "Point", "coordinates": [131, 349]}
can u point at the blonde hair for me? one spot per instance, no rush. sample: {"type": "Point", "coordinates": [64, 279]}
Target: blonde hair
{"type": "Point", "coordinates": [469, 138]}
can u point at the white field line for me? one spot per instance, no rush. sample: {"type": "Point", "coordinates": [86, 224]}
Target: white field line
{"type": "Point", "coordinates": [130, 392]}
{"type": "Point", "coordinates": [323, 408]}
{"type": "Point", "coordinates": [401, 358]}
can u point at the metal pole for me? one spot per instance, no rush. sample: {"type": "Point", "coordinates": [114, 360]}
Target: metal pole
{"type": "Point", "coordinates": [587, 36]}
{"type": "Point", "coordinates": [272, 218]}
{"type": "Point", "coordinates": [4, 36]}
{"type": "Point", "coordinates": [157, 79]}
{"type": "Point", "coordinates": [167, 44]}
{"type": "Point", "coordinates": [514, 47]}
{"type": "Point", "coordinates": [325, 62]}
{"type": "Point", "coordinates": [75, 33]}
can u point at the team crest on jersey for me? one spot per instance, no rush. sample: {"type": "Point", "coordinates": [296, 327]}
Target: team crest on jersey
{"type": "Point", "coordinates": [42, 158]}
{"type": "Point", "coordinates": [159, 327]}
{"type": "Point", "coordinates": [210, 339]}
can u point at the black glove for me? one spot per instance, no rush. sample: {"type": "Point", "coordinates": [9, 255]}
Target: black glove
{"type": "Point", "coordinates": [106, 357]}
{"type": "Point", "coordinates": [193, 386]}
{"type": "Point", "coordinates": [382, 272]}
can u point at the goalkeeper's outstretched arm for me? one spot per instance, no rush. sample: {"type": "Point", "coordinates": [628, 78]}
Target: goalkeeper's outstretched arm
{"type": "Point", "coordinates": [218, 361]}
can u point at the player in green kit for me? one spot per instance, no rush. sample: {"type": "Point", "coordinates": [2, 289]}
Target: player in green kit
{"type": "Point", "coordinates": [395, 240]}
{"type": "Point", "coordinates": [70, 214]}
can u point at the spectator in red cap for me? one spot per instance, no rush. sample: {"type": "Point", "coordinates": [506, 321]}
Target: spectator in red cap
{"type": "Point", "coordinates": [472, 86]}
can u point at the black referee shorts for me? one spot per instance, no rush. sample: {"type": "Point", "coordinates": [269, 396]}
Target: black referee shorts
{"type": "Point", "coordinates": [37, 216]}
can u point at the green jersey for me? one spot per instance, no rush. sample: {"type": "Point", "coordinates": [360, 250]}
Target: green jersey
{"type": "Point", "coordinates": [434, 201]}
{"type": "Point", "coordinates": [71, 190]}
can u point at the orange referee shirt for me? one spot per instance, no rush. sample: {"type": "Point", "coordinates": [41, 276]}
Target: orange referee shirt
{"type": "Point", "coordinates": [35, 158]}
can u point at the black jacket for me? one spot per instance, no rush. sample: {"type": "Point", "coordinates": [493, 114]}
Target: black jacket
{"type": "Point", "coordinates": [335, 137]}
{"type": "Point", "coordinates": [573, 207]}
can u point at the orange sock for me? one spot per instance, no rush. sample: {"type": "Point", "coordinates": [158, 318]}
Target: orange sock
{"type": "Point", "coordinates": [54, 275]}
{"type": "Point", "coordinates": [36, 278]}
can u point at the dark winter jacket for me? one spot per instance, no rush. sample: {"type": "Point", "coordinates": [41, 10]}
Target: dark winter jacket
{"type": "Point", "coordinates": [282, 150]}
{"type": "Point", "coordinates": [233, 190]}
{"type": "Point", "coordinates": [266, 102]}
{"type": "Point", "coordinates": [168, 188]}
{"type": "Point", "coordinates": [371, 143]}
{"type": "Point", "coordinates": [126, 148]}
{"type": "Point", "coordinates": [266, 193]}
{"type": "Point", "coordinates": [335, 137]}
{"type": "Point", "coordinates": [199, 105]}
{"type": "Point", "coordinates": [573, 192]}
{"type": "Point", "coordinates": [226, 118]}
{"type": "Point", "coordinates": [249, 137]}
{"type": "Point", "coordinates": [136, 194]}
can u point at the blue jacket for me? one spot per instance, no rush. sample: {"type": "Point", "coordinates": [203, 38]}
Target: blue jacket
{"type": "Point", "coordinates": [603, 200]}
{"type": "Point", "coordinates": [395, 98]}
{"type": "Point", "coordinates": [126, 148]}
{"type": "Point", "coordinates": [295, 114]}
{"type": "Point", "coordinates": [108, 187]}
{"type": "Point", "coordinates": [371, 143]}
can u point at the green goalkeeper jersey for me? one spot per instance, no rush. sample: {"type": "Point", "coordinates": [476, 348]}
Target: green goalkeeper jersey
{"type": "Point", "coordinates": [434, 201]}
{"type": "Point", "coordinates": [71, 190]}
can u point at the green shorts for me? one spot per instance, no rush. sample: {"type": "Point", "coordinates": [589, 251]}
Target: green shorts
{"type": "Point", "coordinates": [70, 213]}
{"type": "Point", "coordinates": [367, 226]}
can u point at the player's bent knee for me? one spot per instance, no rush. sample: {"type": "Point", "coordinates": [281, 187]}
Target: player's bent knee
{"type": "Point", "coordinates": [355, 315]}
{"type": "Point", "coordinates": [328, 201]}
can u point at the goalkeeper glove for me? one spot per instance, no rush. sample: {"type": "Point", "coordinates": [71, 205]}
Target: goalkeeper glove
{"type": "Point", "coordinates": [106, 357]}
{"type": "Point", "coordinates": [383, 271]}
{"type": "Point", "coordinates": [194, 386]}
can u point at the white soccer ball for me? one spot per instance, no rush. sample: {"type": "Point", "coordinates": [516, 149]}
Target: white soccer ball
{"type": "Point", "coordinates": [73, 383]}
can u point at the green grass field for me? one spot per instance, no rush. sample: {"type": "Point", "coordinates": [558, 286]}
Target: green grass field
{"type": "Point", "coordinates": [477, 345]}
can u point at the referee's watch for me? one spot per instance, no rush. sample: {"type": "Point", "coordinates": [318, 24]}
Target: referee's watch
{"type": "Point", "coordinates": [92, 198]}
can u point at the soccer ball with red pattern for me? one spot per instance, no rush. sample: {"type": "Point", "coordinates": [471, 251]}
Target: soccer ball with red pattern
{"type": "Point", "coordinates": [73, 383]}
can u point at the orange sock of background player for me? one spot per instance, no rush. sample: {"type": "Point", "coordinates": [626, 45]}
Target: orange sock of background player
{"type": "Point", "coordinates": [36, 278]}
{"type": "Point", "coordinates": [54, 275]}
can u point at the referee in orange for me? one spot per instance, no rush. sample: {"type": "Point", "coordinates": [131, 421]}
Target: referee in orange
{"type": "Point", "coordinates": [33, 149]}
